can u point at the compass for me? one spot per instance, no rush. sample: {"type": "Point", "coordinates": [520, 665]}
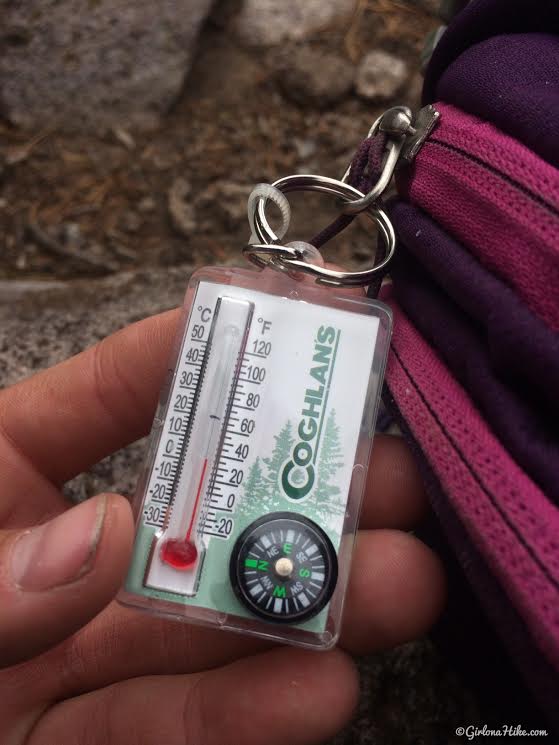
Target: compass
{"type": "Point", "coordinates": [284, 568]}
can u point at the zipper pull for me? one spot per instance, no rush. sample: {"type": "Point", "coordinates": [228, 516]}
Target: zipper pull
{"type": "Point", "coordinates": [400, 124]}
{"type": "Point", "coordinates": [424, 123]}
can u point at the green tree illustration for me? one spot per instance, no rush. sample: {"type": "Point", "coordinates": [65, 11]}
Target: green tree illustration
{"type": "Point", "coordinates": [328, 499]}
{"type": "Point", "coordinates": [254, 501]}
{"type": "Point", "coordinates": [281, 453]}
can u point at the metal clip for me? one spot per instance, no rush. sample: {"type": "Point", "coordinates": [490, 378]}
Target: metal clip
{"type": "Point", "coordinates": [288, 258]}
{"type": "Point", "coordinates": [405, 136]}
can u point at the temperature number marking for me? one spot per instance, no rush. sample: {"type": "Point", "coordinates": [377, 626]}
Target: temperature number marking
{"type": "Point", "coordinates": [176, 428]}
{"type": "Point", "coordinates": [254, 374]}
{"type": "Point", "coordinates": [154, 515]}
{"type": "Point", "coordinates": [261, 348]}
{"type": "Point", "coordinates": [186, 379]}
{"type": "Point", "coordinates": [225, 525]}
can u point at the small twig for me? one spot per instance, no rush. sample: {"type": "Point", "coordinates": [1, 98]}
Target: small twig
{"type": "Point", "coordinates": [17, 153]}
{"type": "Point", "coordinates": [54, 247]}
{"type": "Point", "coordinates": [84, 209]}
{"type": "Point", "coordinates": [124, 137]}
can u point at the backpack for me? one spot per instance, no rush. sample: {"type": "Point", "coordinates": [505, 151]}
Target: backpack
{"type": "Point", "coordinates": [474, 370]}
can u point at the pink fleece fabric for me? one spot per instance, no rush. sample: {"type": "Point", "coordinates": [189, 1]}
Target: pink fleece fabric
{"type": "Point", "coordinates": [502, 202]}
{"type": "Point", "coordinates": [509, 519]}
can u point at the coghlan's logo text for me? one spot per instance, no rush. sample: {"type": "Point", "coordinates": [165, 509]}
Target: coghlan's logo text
{"type": "Point", "coordinates": [298, 473]}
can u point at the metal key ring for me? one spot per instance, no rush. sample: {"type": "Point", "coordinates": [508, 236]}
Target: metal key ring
{"type": "Point", "coordinates": [323, 276]}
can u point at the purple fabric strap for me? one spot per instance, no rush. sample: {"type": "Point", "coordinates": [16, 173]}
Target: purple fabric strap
{"type": "Point", "coordinates": [364, 172]}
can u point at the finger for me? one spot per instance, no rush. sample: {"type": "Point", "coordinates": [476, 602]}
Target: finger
{"type": "Point", "coordinates": [283, 696]}
{"type": "Point", "coordinates": [396, 591]}
{"type": "Point", "coordinates": [394, 494]}
{"type": "Point", "coordinates": [42, 499]}
{"type": "Point", "coordinates": [72, 415]}
{"type": "Point", "coordinates": [57, 576]}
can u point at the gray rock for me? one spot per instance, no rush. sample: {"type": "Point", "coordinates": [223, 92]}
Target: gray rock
{"type": "Point", "coordinates": [314, 78]}
{"type": "Point", "coordinates": [409, 696]}
{"type": "Point", "coordinates": [181, 209]}
{"type": "Point", "coordinates": [42, 323]}
{"type": "Point", "coordinates": [79, 64]}
{"type": "Point", "coordinates": [269, 22]}
{"type": "Point", "coordinates": [16, 290]}
{"type": "Point", "coordinates": [380, 75]}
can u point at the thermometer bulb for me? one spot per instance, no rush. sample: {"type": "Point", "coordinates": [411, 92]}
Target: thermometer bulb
{"type": "Point", "coordinates": [180, 554]}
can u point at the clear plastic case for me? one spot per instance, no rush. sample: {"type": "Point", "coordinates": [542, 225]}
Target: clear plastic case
{"type": "Point", "coordinates": [250, 497]}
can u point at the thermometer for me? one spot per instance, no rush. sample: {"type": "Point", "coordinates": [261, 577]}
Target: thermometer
{"type": "Point", "coordinates": [248, 504]}
{"type": "Point", "coordinates": [204, 397]}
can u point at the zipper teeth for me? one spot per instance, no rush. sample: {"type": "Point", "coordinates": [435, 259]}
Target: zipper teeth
{"type": "Point", "coordinates": [492, 169]}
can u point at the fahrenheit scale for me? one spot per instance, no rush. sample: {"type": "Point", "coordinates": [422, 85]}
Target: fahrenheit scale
{"type": "Point", "coordinates": [250, 497]}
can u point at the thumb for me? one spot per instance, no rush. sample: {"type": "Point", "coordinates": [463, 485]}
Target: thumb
{"type": "Point", "coordinates": [55, 577]}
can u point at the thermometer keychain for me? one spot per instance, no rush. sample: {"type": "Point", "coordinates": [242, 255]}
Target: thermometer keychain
{"type": "Point", "coordinates": [250, 498]}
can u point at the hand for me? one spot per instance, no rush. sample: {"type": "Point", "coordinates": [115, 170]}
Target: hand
{"type": "Point", "coordinates": [100, 674]}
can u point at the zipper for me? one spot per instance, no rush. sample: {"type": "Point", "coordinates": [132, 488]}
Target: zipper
{"type": "Point", "coordinates": [485, 146]}
{"type": "Point", "coordinates": [536, 197]}
{"type": "Point", "coordinates": [422, 127]}
{"type": "Point", "coordinates": [496, 197]}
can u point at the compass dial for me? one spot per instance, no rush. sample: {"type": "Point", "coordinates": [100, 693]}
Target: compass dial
{"type": "Point", "coordinates": [284, 568]}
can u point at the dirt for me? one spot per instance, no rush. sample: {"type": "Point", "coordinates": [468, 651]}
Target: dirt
{"type": "Point", "coordinates": [76, 206]}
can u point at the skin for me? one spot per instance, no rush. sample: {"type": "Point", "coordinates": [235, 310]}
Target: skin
{"type": "Point", "coordinates": [79, 668]}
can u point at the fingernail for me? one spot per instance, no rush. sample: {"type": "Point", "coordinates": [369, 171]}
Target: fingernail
{"type": "Point", "coordinates": [60, 551]}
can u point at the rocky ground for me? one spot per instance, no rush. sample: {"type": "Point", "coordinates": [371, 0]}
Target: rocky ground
{"type": "Point", "coordinates": [102, 221]}
{"type": "Point", "coordinates": [76, 205]}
